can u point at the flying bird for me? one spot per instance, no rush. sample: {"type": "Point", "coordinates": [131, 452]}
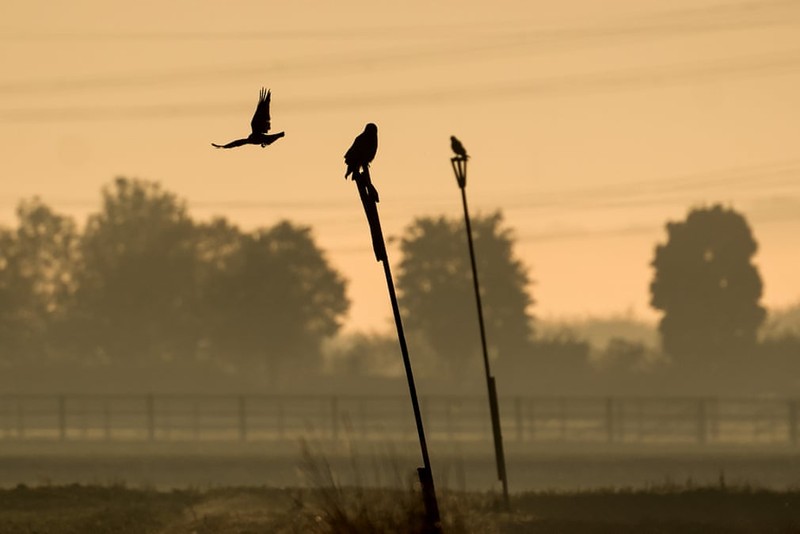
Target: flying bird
{"type": "Point", "coordinates": [458, 148]}
{"type": "Point", "coordinates": [362, 151]}
{"type": "Point", "coordinates": [259, 126]}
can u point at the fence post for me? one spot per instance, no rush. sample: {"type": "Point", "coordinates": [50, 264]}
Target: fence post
{"type": "Point", "coordinates": [20, 419]}
{"type": "Point", "coordinates": [362, 416]}
{"type": "Point", "coordinates": [713, 420]}
{"type": "Point", "coordinates": [448, 422]}
{"type": "Point", "coordinates": [151, 417]}
{"type": "Point", "coordinates": [701, 422]}
{"type": "Point", "coordinates": [793, 437]}
{"type": "Point", "coordinates": [107, 419]}
{"type": "Point", "coordinates": [610, 419]}
{"type": "Point", "coordinates": [242, 418]}
{"type": "Point", "coordinates": [335, 417]}
{"type": "Point", "coordinates": [281, 420]}
{"type": "Point", "coordinates": [639, 420]}
{"type": "Point", "coordinates": [196, 419]}
{"type": "Point", "coordinates": [62, 417]}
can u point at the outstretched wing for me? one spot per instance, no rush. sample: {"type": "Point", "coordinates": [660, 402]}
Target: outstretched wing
{"type": "Point", "coordinates": [260, 122]}
{"type": "Point", "coordinates": [232, 144]}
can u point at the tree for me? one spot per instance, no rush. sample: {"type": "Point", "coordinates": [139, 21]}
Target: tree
{"type": "Point", "coordinates": [362, 354]}
{"type": "Point", "coordinates": [437, 296]}
{"type": "Point", "coordinates": [136, 294]}
{"type": "Point", "coordinates": [269, 298]}
{"type": "Point", "coordinates": [707, 287]}
{"type": "Point", "coordinates": [37, 263]}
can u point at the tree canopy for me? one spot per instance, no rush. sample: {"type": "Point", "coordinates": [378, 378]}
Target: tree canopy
{"type": "Point", "coordinates": [707, 286]}
{"type": "Point", "coordinates": [273, 299]}
{"type": "Point", "coordinates": [36, 280]}
{"type": "Point", "coordinates": [145, 283]}
{"type": "Point", "coordinates": [136, 281]}
{"type": "Point", "coordinates": [436, 289]}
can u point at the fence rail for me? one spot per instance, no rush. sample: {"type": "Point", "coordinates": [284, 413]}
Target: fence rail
{"type": "Point", "coordinates": [525, 420]}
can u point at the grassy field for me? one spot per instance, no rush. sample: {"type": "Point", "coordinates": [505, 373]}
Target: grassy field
{"type": "Point", "coordinates": [121, 510]}
{"type": "Point", "coordinates": [354, 493]}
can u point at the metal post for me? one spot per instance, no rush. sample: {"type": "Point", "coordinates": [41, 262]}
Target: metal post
{"type": "Point", "coordinates": [242, 418]}
{"type": "Point", "coordinates": [334, 418]}
{"type": "Point", "coordinates": [459, 164]}
{"type": "Point", "coordinates": [701, 421]}
{"type": "Point", "coordinates": [62, 417]}
{"type": "Point", "coordinates": [610, 419]}
{"type": "Point", "coordinates": [196, 418]}
{"type": "Point", "coordinates": [107, 419]}
{"type": "Point", "coordinates": [151, 417]}
{"type": "Point", "coordinates": [20, 419]}
{"type": "Point", "coordinates": [362, 416]}
{"type": "Point", "coordinates": [369, 200]}
{"type": "Point", "coordinates": [281, 420]}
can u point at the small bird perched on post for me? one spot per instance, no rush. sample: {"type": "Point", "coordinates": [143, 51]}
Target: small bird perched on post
{"type": "Point", "coordinates": [458, 148]}
{"type": "Point", "coordinates": [362, 151]}
{"type": "Point", "coordinates": [259, 126]}
{"type": "Point", "coordinates": [358, 157]}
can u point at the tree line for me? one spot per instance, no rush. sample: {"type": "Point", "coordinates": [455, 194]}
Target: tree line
{"type": "Point", "coordinates": [143, 284]}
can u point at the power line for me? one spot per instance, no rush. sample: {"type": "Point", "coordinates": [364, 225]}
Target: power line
{"type": "Point", "coordinates": [681, 22]}
{"type": "Point", "coordinates": [340, 34]}
{"type": "Point", "coordinates": [764, 176]}
{"type": "Point", "coordinates": [566, 85]}
{"type": "Point", "coordinates": [638, 193]}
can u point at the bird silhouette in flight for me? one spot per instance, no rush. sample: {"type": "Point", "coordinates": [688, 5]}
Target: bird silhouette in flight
{"type": "Point", "coordinates": [362, 151]}
{"type": "Point", "coordinates": [259, 125]}
{"type": "Point", "coordinates": [458, 148]}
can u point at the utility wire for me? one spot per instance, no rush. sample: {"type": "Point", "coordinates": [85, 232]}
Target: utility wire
{"type": "Point", "coordinates": [769, 178]}
{"type": "Point", "coordinates": [737, 17]}
{"type": "Point", "coordinates": [613, 196]}
{"type": "Point", "coordinates": [566, 85]}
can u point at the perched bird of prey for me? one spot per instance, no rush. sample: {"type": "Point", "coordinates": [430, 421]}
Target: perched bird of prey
{"type": "Point", "coordinates": [259, 126]}
{"type": "Point", "coordinates": [458, 148]}
{"type": "Point", "coordinates": [362, 151]}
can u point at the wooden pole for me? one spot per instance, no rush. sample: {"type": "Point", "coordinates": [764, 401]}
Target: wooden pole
{"type": "Point", "coordinates": [369, 200]}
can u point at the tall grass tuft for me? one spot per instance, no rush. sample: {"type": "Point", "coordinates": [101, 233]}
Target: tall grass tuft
{"type": "Point", "coordinates": [335, 508]}
{"type": "Point", "coordinates": [387, 500]}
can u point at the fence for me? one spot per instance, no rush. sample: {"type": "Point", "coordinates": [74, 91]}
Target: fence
{"type": "Point", "coordinates": [525, 420]}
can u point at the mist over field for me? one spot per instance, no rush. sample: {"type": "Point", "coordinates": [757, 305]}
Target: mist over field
{"type": "Point", "coordinates": [259, 264]}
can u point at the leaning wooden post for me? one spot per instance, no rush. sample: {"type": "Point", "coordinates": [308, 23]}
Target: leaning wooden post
{"type": "Point", "coordinates": [369, 199]}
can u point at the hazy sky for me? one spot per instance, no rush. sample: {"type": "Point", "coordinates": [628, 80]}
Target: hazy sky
{"type": "Point", "coordinates": [590, 124]}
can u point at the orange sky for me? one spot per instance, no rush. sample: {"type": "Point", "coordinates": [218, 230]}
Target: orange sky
{"type": "Point", "coordinates": [590, 124]}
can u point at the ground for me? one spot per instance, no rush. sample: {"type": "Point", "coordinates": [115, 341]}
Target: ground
{"type": "Point", "coordinates": [120, 510]}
